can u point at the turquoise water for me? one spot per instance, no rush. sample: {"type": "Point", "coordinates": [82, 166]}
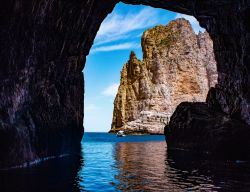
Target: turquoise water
{"type": "Point", "coordinates": [131, 163]}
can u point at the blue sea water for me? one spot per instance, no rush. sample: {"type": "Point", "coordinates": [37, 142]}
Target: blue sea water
{"type": "Point", "coordinates": [131, 163]}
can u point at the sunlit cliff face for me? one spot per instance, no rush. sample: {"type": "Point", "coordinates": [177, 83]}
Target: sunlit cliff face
{"type": "Point", "coordinates": [178, 65]}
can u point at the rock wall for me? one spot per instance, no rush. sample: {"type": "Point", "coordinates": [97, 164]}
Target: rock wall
{"type": "Point", "coordinates": [43, 46]}
{"type": "Point", "coordinates": [177, 66]}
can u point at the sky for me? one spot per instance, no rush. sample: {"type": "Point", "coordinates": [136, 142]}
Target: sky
{"type": "Point", "coordinates": [119, 34]}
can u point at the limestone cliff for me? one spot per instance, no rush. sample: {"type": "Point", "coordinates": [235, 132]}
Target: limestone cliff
{"type": "Point", "coordinates": [177, 66]}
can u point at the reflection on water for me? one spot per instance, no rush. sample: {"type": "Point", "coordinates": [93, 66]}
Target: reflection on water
{"type": "Point", "coordinates": [148, 167]}
{"type": "Point", "coordinates": [112, 164]}
{"type": "Point", "coordinates": [98, 171]}
{"type": "Point", "coordinates": [53, 175]}
{"type": "Point", "coordinates": [141, 166]}
{"type": "Point", "coordinates": [145, 167]}
{"type": "Point", "coordinates": [209, 175]}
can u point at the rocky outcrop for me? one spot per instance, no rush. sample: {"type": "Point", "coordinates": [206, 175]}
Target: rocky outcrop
{"type": "Point", "coordinates": [207, 131]}
{"type": "Point", "coordinates": [43, 46]}
{"type": "Point", "coordinates": [177, 66]}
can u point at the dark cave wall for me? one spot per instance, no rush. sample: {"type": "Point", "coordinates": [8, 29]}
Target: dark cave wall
{"type": "Point", "coordinates": [43, 45]}
{"type": "Point", "coordinates": [231, 36]}
{"type": "Point", "coordinates": [43, 48]}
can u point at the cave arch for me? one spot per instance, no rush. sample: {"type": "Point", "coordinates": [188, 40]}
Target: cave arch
{"type": "Point", "coordinates": [43, 50]}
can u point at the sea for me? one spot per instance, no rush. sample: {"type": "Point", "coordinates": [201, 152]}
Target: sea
{"type": "Point", "coordinates": [130, 163]}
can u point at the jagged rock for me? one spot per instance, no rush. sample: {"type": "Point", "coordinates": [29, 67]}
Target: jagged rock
{"type": "Point", "coordinates": [177, 66]}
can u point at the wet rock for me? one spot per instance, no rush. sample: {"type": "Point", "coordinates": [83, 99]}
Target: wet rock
{"type": "Point", "coordinates": [196, 128]}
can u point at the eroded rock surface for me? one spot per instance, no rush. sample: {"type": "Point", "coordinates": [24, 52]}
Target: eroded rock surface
{"type": "Point", "coordinates": [177, 66]}
{"type": "Point", "coordinates": [43, 45]}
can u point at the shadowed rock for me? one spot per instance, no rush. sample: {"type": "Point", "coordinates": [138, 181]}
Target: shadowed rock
{"type": "Point", "coordinates": [196, 128]}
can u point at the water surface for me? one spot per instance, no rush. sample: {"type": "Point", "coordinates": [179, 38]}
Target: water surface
{"type": "Point", "coordinates": [131, 163]}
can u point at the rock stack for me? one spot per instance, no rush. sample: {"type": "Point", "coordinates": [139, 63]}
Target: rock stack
{"type": "Point", "coordinates": [177, 66]}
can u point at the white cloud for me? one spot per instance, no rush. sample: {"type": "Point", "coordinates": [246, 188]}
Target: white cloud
{"type": "Point", "coordinates": [90, 107]}
{"type": "Point", "coordinates": [122, 46]}
{"type": "Point", "coordinates": [118, 26]}
{"type": "Point", "coordinates": [111, 90]}
{"type": "Point", "coordinates": [195, 24]}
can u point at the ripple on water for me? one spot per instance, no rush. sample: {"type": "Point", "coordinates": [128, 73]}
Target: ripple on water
{"type": "Point", "coordinates": [128, 164]}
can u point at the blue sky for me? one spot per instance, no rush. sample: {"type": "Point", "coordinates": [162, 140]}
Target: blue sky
{"type": "Point", "coordinates": [119, 34]}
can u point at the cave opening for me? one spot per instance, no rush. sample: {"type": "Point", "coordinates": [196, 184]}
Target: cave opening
{"type": "Point", "coordinates": [121, 34]}
{"type": "Point", "coordinates": [43, 52]}
{"type": "Point", "coordinates": [44, 45]}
